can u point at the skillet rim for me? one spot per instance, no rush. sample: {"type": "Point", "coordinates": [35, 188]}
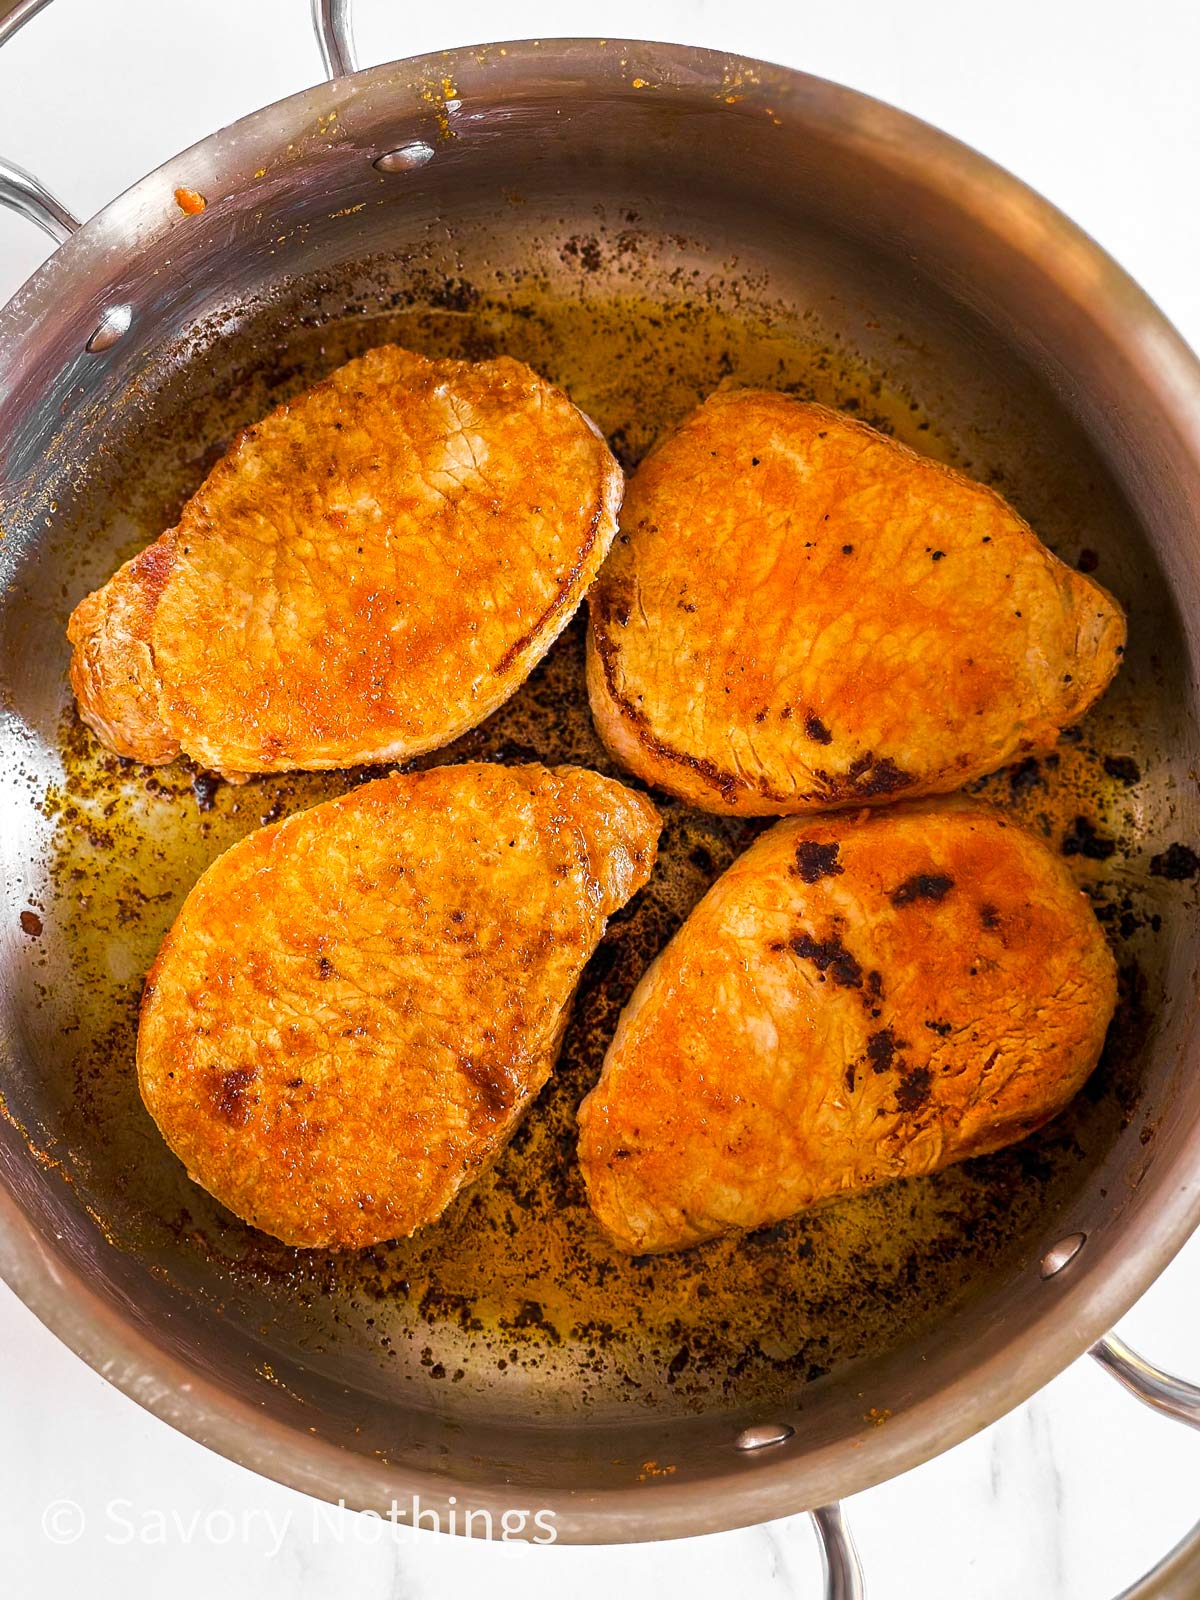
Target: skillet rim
{"type": "Point", "coordinates": [1074, 1311]}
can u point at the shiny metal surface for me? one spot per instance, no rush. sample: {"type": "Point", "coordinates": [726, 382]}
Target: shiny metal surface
{"type": "Point", "coordinates": [20, 191]}
{"type": "Point", "coordinates": [114, 324]}
{"type": "Point", "coordinates": [764, 1434]}
{"type": "Point", "coordinates": [839, 1559]}
{"type": "Point", "coordinates": [14, 14]}
{"type": "Point", "coordinates": [1061, 1255]}
{"type": "Point", "coordinates": [334, 27]}
{"type": "Point", "coordinates": [1174, 1397]}
{"type": "Point", "coordinates": [408, 157]}
{"type": "Point", "coordinates": [962, 287]}
{"type": "Point", "coordinates": [1177, 1576]}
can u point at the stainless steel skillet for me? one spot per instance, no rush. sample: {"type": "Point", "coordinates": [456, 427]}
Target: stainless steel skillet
{"type": "Point", "coordinates": [640, 220]}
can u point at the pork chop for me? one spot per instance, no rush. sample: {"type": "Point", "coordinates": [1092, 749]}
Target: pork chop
{"type": "Point", "coordinates": [801, 614]}
{"type": "Point", "coordinates": [368, 572]}
{"type": "Point", "coordinates": [355, 1006]}
{"type": "Point", "coordinates": [858, 998]}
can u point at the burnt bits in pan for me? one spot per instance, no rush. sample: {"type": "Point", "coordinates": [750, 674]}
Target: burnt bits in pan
{"type": "Point", "coordinates": [516, 1286]}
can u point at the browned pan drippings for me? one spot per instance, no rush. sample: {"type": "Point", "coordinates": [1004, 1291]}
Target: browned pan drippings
{"type": "Point", "coordinates": [516, 1283]}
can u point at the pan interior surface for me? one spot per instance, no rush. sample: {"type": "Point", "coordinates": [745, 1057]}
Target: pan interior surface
{"type": "Point", "coordinates": [508, 1344]}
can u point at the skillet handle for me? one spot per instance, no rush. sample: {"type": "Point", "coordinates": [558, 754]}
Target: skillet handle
{"type": "Point", "coordinates": [839, 1558]}
{"type": "Point", "coordinates": [20, 191]}
{"type": "Point", "coordinates": [332, 23]}
{"type": "Point", "coordinates": [1172, 1396]}
{"type": "Point", "coordinates": [1177, 1575]}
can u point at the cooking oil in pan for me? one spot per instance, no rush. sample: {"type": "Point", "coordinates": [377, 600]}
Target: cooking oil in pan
{"type": "Point", "coordinates": [515, 1292]}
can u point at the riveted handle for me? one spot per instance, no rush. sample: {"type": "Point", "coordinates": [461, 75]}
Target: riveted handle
{"type": "Point", "coordinates": [1177, 1575]}
{"type": "Point", "coordinates": [23, 192]}
{"type": "Point", "coordinates": [20, 191]}
{"type": "Point", "coordinates": [839, 1558]}
{"type": "Point", "coordinates": [1174, 1397]}
{"type": "Point", "coordinates": [333, 24]}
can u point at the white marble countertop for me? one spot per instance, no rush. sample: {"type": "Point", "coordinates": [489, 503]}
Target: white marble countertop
{"type": "Point", "coordinates": [1071, 1496]}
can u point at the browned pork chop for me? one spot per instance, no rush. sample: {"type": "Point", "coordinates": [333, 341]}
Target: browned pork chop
{"type": "Point", "coordinates": [368, 572]}
{"type": "Point", "coordinates": [355, 1006]}
{"type": "Point", "coordinates": [800, 614]}
{"type": "Point", "coordinates": [858, 998]}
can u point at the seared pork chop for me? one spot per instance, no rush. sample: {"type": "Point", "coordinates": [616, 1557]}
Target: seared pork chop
{"type": "Point", "coordinates": [355, 1006]}
{"type": "Point", "coordinates": [858, 998]}
{"type": "Point", "coordinates": [801, 614]}
{"type": "Point", "coordinates": [368, 572]}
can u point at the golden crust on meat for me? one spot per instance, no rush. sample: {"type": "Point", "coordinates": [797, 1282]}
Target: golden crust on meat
{"type": "Point", "coordinates": [366, 573]}
{"type": "Point", "coordinates": [858, 998]}
{"type": "Point", "coordinates": [355, 1006]}
{"type": "Point", "coordinates": [800, 614]}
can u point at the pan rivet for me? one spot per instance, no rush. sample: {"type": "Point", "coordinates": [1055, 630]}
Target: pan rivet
{"type": "Point", "coordinates": [114, 324]}
{"type": "Point", "coordinates": [1059, 1254]}
{"type": "Point", "coordinates": [405, 158]}
{"type": "Point", "coordinates": [763, 1434]}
